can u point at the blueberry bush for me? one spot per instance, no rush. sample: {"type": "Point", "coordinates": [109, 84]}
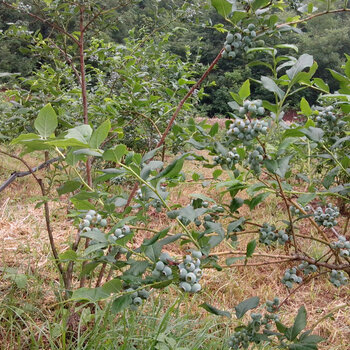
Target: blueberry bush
{"type": "Point", "coordinates": [305, 166]}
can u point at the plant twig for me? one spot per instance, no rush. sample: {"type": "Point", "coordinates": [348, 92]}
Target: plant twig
{"type": "Point", "coordinates": [47, 215]}
{"type": "Point", "coordinates": [17, 174]}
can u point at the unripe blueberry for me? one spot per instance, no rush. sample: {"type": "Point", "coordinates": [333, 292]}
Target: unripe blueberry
{"type": "Point", "coordinates": [86, 223]}
{"type": "Point", "coordinates": [103, 223]}
{"type": "Point", "coordinates": [198, 273]}
{"type": "Point", "coordinates": [156, 273]}
{"type": "Point", "coordinates": [183, 273]}
{"type": "Point", "coordinates": [196, 254]}
{"type": "Point", "coordinates": [191, 277]}
{"type": "Point", "coordinates": [118, 232]}
{"type": "Point", "coordinates": [160, 266]}
{"type": "Point", "coordinates": [185, 286]}
{"type": "Point", "coordinates": [196, 288]}
{"type": "Point", "coordinates": [137, 301]}
{"type": "Point", "coordinates": [126, 229]}
{"type": "Point", "coordinates": [190, 267]}
{"type": "Point", "coordinates": [167, 271]}
{"type": "Point", "coordinates": [229, 38]}
{"type": "Point", "coordinates": [143, 294]}
{"type": "Point", "coordinates": [188, 259]}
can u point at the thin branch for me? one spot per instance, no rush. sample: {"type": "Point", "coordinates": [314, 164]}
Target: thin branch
{"type": "Point", "coordinates": [241, 252]}
{"type": "Point", "coordinates": [177, 111]}
{"type": "Point", "coordinates": [68, 60]}
{"type": "Point", "coordinates": [257, 264]}
{"type": "Point", "coordinates": [47, 215]}
{"type": "Point", "coordinates": [312, 17]}
{"type": "Point", "coordinates": [288, 212]}
{"type": "Point", "coordinates": [17, 174]}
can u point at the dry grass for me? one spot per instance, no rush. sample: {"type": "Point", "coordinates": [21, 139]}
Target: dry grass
{"type": "Point", "coordinates": [24, 245]}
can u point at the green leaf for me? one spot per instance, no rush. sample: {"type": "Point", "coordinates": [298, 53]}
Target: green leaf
{"type": "Point", "coordinates": [287, 46]}
{"type": "Point", "coordinates": [149, 155]}
{"type": "Point", "coordinates": [82, 195]}
{"type": "Point", "coordinates": [257, 4]}
{"type": "Point", "coordinates": [281, 327]}
{"type": "Point", "coordinates": [321, 84]}
{"type": "Point", "coordinates": [100, 134]}
{"type": "Point", "coordinates": [121, 303]}
{"type": "Point", "coordinates": [96, 235]}
{"type": "Point", "coordinates": [68, 255]}
{"type": "Point", "coordinates": [82, 204]}
{"type": "Point", "coordinates": [93, 248]}
{"type": "Point", "coordinates": [214, 129]}
{"type": "Point", "coordinates": [244, 91]}
{"type": "Point", "coordinates": [68, 186]}
{"type": "Point", "coordinates": [89, 294]}
{"type": "Point", "coordinates": [250, 248]}
{"type": "Point", "coordinates": [235, 204]}
{"type": "Point", "coordinates": [329, 178]}
{"type": "Point", "coordinates": [66, 143]}
{"type": "Point", "coordinates": [306, 198]}
{"type": "Point", "coordinates": [246, 305]}
{"type": "Point", "coordinates": [81, 133]}
{"type": "Point", "coordinates": [213, 310]}
{"type": "Point", "coordinates": [305, 107]}
{"type": "Point", "coordinates": [137, 268]}
{"type": "Point", "coordinates": [304, 61]}
{"type": "Point", "coordinates": [283, 166]}
{"type": "Point", "coordinates": [112, 286]}
{"type": "Point", "coordinates": [235, 224]}
{"type": "Point", "coordinates": [314, 134]}
{"type": "Point", "coordinates": [156, 237]}
{"type": "Point", "coordinates": [230, 261]}
{"type": "Point", "coordinates": [22, 139]}
{"type": "Point", "coordinates": [223, 7]}
{"type": "Point", "coordinates": [217, 173]}
{"type": "Point", "coordinates": [115, 154]}
{"type": "Point", "coordinates": [173, 169]}
{"type": "Point", "coordinates": [256, 200]}
{"type": "Point", "coordinates": [270, 85]}
{"type": "Point", "coordinates": [299, 324]}
{"type": "Point", "coordinates": [46, 122]}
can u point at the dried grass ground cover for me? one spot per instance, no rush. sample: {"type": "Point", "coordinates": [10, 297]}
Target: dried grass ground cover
{"type": "Point", "coordinates": [24, 246]}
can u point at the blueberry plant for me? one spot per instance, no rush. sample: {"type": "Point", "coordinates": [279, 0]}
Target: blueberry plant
{"type": "Point", "coordinates": [305, 166]}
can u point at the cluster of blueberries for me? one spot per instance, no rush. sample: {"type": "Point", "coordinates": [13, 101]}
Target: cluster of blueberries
{"type": "Point", "coordinates": [253, 107]}
{"type": "Point", "coordinates": [137, 297]}
{"type": "Point", "coordinates": [343, 246]}
{"type": "Point", "coordinates": [326, 119]}
{"type": "Point", "coordinates": [190, 272]}
{"type": "Point", "coordinates": [338, 278]}
{"type": "Point", "coordinates": [162, 268]}
{"type": "Point", "coordinates": [327, 218]}
{"type": "Point", "coordinates": [291, 277]}
{"type": "Point", "coordinates": [239, 42]}
{"type": "Point", "coordinates": [255, 159]}
{"type": "Point", "coordinates": [307, 268]}
{"type": "Point", "coordinates": [247, 130]}
{"type": "Point", "coordinates": [243, 337]}
{"type": "Point", "coordinates": [92, 219]}
{"type": "Point", "coordinates": [229, 160]}
{"type": "Point", "coordinates": [268, 235]}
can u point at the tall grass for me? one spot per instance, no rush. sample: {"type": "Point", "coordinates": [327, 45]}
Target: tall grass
{"type": "Point", "coordinates": [157, 325]}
